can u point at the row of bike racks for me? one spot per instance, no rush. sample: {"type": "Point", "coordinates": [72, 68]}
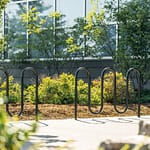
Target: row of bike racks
{"type": "Point", "coordinates": [103, 72]}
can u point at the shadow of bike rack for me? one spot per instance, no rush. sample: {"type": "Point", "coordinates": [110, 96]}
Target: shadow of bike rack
{"type": "Point", "coordinates": [103, 72]}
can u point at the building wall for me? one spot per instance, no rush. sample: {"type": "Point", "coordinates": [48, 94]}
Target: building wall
{"type": "Point", "coordinates": [48, 68]}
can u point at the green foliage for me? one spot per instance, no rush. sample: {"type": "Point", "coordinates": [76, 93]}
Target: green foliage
{"type": "Point", "coordinates": [56, 90]}
{"type": "Point", "coordinates": [30, 19]}
{"type": "Point", "coordinates": [89, 35]}
{"type": "Point", "coordinates": [50, 33]}
{"type": "Point", "coordinates": [145, 96]}
{"type": "Point", "coordinates": [82, 92]}
{"type": "Point", "coordinates": [2, 44]}
{"type": "Point", "coordinates": [30, 94]}
{"type": "Point", "coordinates": [41, 28]}
{"type": "Point", "coordinates": [14, 90]}
{"type": "Point", "coordinates": [48, 91]}
{"type": "Point", "coordinates": [3, 4]}
{"type": "Point", "coordinates": [12, 138]}
{"type": "Point", "coordinates": [66, 88]}
{"type": "Point", "coordinates": [134, 38]}
{"type": "Point", "coordinates": [108, 87]}
{"type": "Point", "coordinates": [60, 89]}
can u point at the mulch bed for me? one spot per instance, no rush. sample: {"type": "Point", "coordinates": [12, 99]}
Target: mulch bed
{"type": "Point", "coordinates": [52, 111]}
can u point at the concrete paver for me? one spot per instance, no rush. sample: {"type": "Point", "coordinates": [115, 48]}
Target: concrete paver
{"type": "Point", "coordinates": [81, 134]}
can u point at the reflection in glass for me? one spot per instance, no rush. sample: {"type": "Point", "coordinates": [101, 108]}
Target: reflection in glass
{"type": "Point", "coordinates": [15, 31]}
{"type": "Point", "coordinates": [50, 41]}
{"type": "Point", "coordinates": [91, 5]}
{"type": "Point", "coordinates": [71, 8]}
{"type": "Point", "coordinates": [41, 48]}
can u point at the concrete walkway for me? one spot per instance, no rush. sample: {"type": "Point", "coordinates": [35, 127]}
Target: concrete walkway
{"type": "Point", "coordinates": [81, 134]}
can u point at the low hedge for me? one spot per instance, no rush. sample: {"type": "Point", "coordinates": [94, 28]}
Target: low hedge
{"type": "Point", "coordinates": [60, 90]}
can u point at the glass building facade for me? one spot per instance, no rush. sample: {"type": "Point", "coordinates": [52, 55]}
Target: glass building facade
{"type": "Point", "coordinates": [49, 34]}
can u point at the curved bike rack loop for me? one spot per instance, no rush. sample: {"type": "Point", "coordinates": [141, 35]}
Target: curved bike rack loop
{"type": "Point", "coordinates": [114, 89]}
{"type": "Point", "coordinates": [139, 87]}
{"type": "Point", "coordinates": [36, 90]}
{"type": "Point", "coordinates": [89, 92]}
{"type": "Point", "coordinates": [7, 90]}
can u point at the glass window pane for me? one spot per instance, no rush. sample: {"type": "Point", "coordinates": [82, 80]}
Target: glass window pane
{"type": "Point", "coordinates": [42, 48]}
{"type": "Point", "coordinates": [71, 8]}
{"type": "Point", "coordinates": [15, 30]}
{"type": "Point", "coordinates": [89, 5]}
{"type": "Point", "coordinates": [109, 46]}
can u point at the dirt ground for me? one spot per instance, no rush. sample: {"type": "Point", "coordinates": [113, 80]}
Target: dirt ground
{"type": "Point", "coordinates": [51, 111]}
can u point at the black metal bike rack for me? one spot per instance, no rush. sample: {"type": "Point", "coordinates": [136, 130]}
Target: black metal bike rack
{"type": "Point", "coordinates": [103, 72]}
{"type": "Point", "coordinates": [7, 90]}
{"type": "Point", "coordinates": [89, 92]}
{"type": "Point", "coordinates": [36, 90]}
{"type": "Point", "coordinates": [22, 91]}
{"type": "Point", "coordinates": [114, 89]}
{"type": "Point", "coordinates": [138, 88]}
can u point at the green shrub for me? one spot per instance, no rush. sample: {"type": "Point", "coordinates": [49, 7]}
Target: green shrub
{"type": "Point", "coordinates": [29, 94]}
{"type": "Point", "coordinates": [82, 92]}
{"type": "Point", "coordinates": [14, 90]}
{"type": "Point", "coordinates": [48, 91]}
{"type": "Point", "coordinates": [108, 87]}
{"type": "Point", "coordinates": [145, 96]}
{"type": "Point", "coordinates": [95, 92]}
{"type": "Point", "coordinates": [60, 90]}
{"type": "Point", "coordinates": [66, 88]}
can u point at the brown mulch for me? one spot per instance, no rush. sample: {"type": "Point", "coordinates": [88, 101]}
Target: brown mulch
{"type": "Point", "coordinates": [51, 111]}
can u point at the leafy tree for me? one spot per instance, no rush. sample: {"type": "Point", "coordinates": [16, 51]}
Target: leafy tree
{"type": "Point", "coordinates": [49, 32]}
{"type": "Point", "coordinates": [133, 18]}
{"type": "Point", "coordinates": [3, 4]}
{"type": "Point", "coordinates": [90, 36]}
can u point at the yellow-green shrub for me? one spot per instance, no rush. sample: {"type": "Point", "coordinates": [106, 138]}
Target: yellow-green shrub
{"type": "Point", "coordinates": [82, 92]}
{"type": "Point", "coordinates": [60, 89]}
{"type": "Point", "coordinates": [29, 93]}
{"type": "Point", "coordinates": [109, 85]}
{"type": "Point", "coordinates": [14, 90]}
{"type": "Point", "coordinates": [66, 88]}
{"type": "Point", "coordinates": [95, 92]}
{"type": "Point", "coordinates": [48, 91]}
